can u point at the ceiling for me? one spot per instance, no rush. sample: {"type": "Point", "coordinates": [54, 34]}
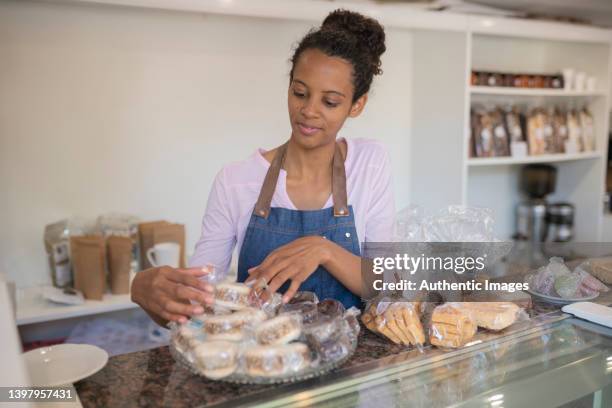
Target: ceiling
{"type": "Point", "coordinates": [598, 12]}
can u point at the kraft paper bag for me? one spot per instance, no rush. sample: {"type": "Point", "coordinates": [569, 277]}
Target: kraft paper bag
{"type": "Point", "coordinates": [88, 255]}
{"type": "Point", "coordinates": [171, 233]}
{"type": "Point", "coordinates": [145, 231]}
{"type": "Point", "coordinates": [119, 251]}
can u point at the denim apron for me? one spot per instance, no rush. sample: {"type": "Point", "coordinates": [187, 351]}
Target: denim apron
{"type": "Point", "coordinates": [271, 228]}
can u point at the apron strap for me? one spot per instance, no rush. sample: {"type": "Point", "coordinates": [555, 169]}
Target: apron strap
{"type": "Point", "coordinates": [339, 185]}
{"type": "Point", "coordinates": [262, 207]}
{"type": "Point", "coordinates": [339, 196]}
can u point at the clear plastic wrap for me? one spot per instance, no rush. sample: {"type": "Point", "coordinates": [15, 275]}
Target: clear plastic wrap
{"type": "Point", "coordinates": [494, 316]}
{"type": "Point", "coordinates": [556, 279]}
{"type": "Point", "coordinates": [408, 225]}
{"type": "Point", "coordinates": [231, 327]}
{"type": "Point", "coordinates": [307, 310]}
{"type": "Point", "coordinates": [544, 279]}
{"type": "Point", "coordinates": [331, 308]}
{"type": "Point", "coordinates": [459, 224]}
{"type": "Point", "coordinates": [351, 318]}
{"type": "Point", "coordinates": [304, 296]}
{"type": "Point", "coordinates": [216, 359]}
{"type": "Point", "coordinates": [279, 360]}
{"type": "Point", "coordinates": [233, 296]}
{"type": "Point", "coordinates": [252, 345]}
{"type": "Point", "coordinates": [452, 326]}
{"type": "Point", "coordinates": [399, 321]}
{"type": "Point", "coordinates": [122, 225]}
{"type": "Point", "coordinates": [260, 297]}
{"type": "Point", "coordinates": [568, 286]}
{"type": "Point", "coordinates": [279, 330]}
{"type": "Point", "coordinates": [589, 284]}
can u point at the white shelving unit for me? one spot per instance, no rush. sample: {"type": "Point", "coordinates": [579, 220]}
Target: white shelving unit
{"type": "Point", "coordinates": [443, 173]}
{"type": "Point", "coordinates": [495, 90]}
{"type": "Point", "coordinates": [33, 308]}
{"type": "Point", "coordinates": [545, 158]}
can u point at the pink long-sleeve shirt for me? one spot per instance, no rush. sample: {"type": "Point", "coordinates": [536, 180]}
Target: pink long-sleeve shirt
{"type": "Point", "coordinates": [237, 186]}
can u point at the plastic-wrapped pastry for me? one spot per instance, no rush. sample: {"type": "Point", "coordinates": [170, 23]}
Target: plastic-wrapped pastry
{"type": "Point", "coordinates": [331, 349]}
{"type": "Point", "coordinates": [304, 296]}
{"type": "Point", "coordinates": [187, 335]}
{"type": "Point", "coordinates": [544, 280]}
{"type": "Point", "coordinates": [280, 330]}
{"type": "Point", "coordinates": [350, 317]}
{"type": "Point", "coordinates": [233, 296]}
{"type": "Point", "coordinates": [230, 327]}
{"type": "Point", "coordinates": [274, 361]}
{"type": "Point", "coordinates": [216, 359]}
{"type": "Point", "coordinates": [451, 326]}
{"type": "Point", "coordinates": [493, 315]}
{"type": "Point", "coordinates": [589, 285]}
{"type": "Point", "coordinates": [568, 286]}
{"type": "Point", "coordinates": [325, 327]}
{"type": "Point", "coordinates": [307, 310]}
{"type": "Point", "coordinates": [331, 308]}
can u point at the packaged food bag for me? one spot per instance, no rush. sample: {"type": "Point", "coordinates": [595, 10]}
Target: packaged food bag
{"type": "Point", "coordinates": [88, 257]}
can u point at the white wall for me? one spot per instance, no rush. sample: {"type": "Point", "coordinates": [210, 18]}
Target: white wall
{"type": "Point", "coordinates": [117, 109]}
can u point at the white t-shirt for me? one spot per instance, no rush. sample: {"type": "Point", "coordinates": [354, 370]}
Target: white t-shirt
{"type": "Point", "coordinates": [237, 186]}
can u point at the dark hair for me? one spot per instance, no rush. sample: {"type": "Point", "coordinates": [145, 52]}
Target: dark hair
{"type": "Point", "coordinates": [353, 37]}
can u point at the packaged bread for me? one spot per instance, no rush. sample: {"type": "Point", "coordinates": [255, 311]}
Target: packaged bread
{"type": "Point", "coordinates": [398, 321]}
{"type": "Point", "coordinates": [493, 315]}
{"type": "Point", "coordinates": [452, 326]}
{"type": "Point", "coordinates": [520, 298]}
{"type": "Point", "coordinates": [601, 268]}
{"type": "Point", "coordinates": [278, 360]}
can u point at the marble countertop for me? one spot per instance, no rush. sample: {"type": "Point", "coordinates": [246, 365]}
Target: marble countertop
{"type": "Point", "coordinates": [153, 378]}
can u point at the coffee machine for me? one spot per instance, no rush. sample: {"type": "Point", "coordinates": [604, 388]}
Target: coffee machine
{"type": "Point", "coordinates": [536, 219]}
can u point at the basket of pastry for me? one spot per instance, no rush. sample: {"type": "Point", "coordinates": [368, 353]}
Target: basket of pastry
{"type": "Point", "coordinates": [447, 325]}
{"type": "Point", "coordinates": [244, 339]}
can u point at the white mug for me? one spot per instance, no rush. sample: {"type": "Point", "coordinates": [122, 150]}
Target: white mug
{"type": "Point", "coordinates": [165, 253]}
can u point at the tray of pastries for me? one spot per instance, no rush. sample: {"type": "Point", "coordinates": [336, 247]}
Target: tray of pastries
{"type": "Point", "coordinates": [243, 339]}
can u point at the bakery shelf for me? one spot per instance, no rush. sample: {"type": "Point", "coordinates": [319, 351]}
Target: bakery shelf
{"type": "Point", "coordinates": [508, 91]}
{"type": "Point", "coordinates": [545, 158]}
{"type": "Point", "coordinates": [33, 308]}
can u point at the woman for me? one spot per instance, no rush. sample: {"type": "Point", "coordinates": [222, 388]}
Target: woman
{"type": "Point", "coordinates": [297, 212]}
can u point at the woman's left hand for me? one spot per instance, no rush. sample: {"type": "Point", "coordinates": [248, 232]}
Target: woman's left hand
{"type": "Point", "coordinates": [295, 261]}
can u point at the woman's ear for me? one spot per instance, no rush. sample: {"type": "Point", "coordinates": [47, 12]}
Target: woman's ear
{"type": "Point", "coordinates": [358, 106]}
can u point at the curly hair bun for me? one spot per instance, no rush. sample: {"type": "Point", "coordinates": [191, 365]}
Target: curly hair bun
{"type": "Point", "coordinates": [353, 37]}
{"type": "Point", "coordinates": [367, 31]}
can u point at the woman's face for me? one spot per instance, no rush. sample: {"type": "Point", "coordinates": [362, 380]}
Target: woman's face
{"type": "Point", "coordinates": [320, 98]}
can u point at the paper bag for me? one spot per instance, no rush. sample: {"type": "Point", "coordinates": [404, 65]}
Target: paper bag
{"type": "Point", "coordinates": [119, 257]}
{"type": "Point", "coordinates": [88, 259]}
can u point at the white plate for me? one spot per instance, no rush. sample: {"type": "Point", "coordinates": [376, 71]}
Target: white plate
{"type": "Point", "coordinates": [559, 300]}
{"type": "Point", "coordinates": [63, 364]}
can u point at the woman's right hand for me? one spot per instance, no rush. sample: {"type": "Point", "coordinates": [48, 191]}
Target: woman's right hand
{"type": "Point", "coordinates": [167, 292]}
